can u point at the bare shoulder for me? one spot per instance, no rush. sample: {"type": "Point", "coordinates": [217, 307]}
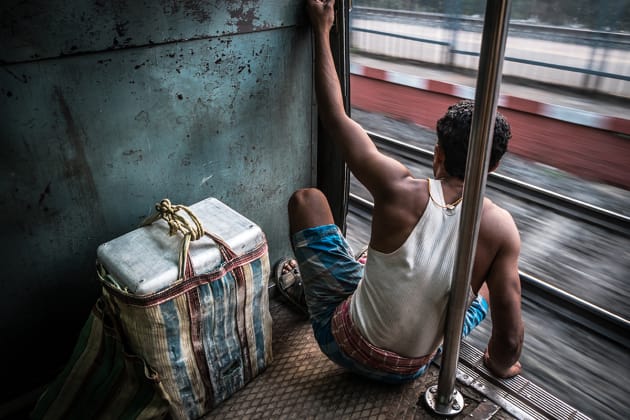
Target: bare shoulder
{"type": "Point", "coordinates": [499, 244]}
{"type": "Point", "coordinates": [499, 224]}
{"type": "Point", "coordinates": [396, 213]}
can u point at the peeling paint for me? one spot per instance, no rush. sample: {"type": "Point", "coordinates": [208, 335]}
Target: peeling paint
{"type": "Point", "coordinates": [121, 28]}
{"type": "Point", "coordinates": [99, 25]}
{"type": "Point", "coordinates": [131, 152]}
{"type": "Point", "coordinates": [243, 15]}
{"type": "Point", "coordinates": [142, 117]}
{"type": "Point", "coordinates": [135, 154]}
{"type": "Point", "coordinates": [196, 10]}
{"type": "Point", "coordinates": [44, 194]}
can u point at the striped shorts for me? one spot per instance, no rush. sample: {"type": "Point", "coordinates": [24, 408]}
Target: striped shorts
{"type": "Point", "coordinates": [330, 275]}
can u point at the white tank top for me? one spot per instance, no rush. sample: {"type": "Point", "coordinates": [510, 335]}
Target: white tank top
{"type": "Point", "coordinates": [400, 305]}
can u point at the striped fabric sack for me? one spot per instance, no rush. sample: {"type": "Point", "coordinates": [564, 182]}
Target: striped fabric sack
{"type": "Point", "coordinates": [102, 380]}
{"type": "Point", "coordinates": [190, 319]}
{"type": "Point", "coordinates": [208, 333]}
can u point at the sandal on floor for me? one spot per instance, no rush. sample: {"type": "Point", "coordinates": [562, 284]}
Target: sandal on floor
{"type": "Point", "coordinates": [290, 285]}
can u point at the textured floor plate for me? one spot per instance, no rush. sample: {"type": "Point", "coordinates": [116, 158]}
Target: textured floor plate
{"type": "Point", "coordinates": [302, 383]}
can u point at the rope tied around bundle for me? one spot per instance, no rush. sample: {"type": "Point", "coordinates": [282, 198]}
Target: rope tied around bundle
{"type": "Point", "coordinates": [190, 227]}
{"type": "Point", "coordinates": [177, 222]}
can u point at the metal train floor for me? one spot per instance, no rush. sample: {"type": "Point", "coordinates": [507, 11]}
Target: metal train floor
{"type": "Point", "coordinates": [302, 383]}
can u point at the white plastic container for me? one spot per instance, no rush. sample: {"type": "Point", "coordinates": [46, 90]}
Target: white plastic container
{"type": "Point", "coordinates": [145, 260]}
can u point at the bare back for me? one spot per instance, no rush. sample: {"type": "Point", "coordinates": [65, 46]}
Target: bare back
{"type": "Point", "coordinates": [393, 221]}
{"type": "Point", "coordinates": [495, 262]}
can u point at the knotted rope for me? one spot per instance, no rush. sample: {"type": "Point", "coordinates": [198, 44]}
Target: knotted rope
{"type": "Point", "coordinates": [191, 228]}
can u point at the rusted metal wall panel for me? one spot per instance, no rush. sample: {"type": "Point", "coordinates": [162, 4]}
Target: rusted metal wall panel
{"type": "Point", "coordinates": [39, 29]}
{"type": "Point", "coordinates": [202, 101]}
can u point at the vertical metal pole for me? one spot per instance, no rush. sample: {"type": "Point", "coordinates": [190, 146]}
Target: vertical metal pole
{"type": "Point", "coordinates": [446, 400]}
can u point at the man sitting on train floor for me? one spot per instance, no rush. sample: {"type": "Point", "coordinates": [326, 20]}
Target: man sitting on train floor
{"type": "Point", "coordinates": [385, 319]}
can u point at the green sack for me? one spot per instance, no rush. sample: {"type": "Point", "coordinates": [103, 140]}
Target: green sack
{"type": "Point", "coordinates": [102, 380]}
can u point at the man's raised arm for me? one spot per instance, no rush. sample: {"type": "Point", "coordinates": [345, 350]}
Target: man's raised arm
{"type": "Point", "coordinates": [372, 169]}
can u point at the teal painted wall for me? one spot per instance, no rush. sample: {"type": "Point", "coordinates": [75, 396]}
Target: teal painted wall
{"type": "Point", "coordinates": [109, 106]}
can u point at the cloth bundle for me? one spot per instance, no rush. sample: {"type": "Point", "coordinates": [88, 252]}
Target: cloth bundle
{"type": "Point", "coordinates": [199, 338]}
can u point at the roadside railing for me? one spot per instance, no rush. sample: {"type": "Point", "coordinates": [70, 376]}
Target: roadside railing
{"type": "Point", "coordinates": [595, 61]}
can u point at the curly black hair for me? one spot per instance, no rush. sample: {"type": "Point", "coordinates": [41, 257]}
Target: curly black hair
{"type": "Point", "coordinates": [453, 131]}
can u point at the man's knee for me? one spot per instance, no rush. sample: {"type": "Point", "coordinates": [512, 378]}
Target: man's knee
{"type": "Point", "coordinates": [306, 198]}
{"type": "Point", "coordinates": [308, 207]}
